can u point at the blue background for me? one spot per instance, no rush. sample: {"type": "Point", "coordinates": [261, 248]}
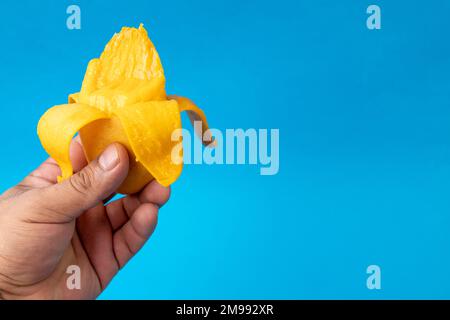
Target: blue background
{"type": "Point", "coordinates": [364, 140]}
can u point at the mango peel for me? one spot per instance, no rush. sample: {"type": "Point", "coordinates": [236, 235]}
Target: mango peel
{"type": "Point", "coordinates": [122, 99]}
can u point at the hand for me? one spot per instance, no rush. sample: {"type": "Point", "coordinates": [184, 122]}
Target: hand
{"type": "Point", "coordinates": [45, 227]}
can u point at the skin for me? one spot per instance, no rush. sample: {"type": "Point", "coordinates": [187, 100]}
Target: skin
{"type": "Point", "coordinates": [46, 227]}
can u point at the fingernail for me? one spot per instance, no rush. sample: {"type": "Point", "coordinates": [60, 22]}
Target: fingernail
{"type": "Point", "coordinates": [109, 159]}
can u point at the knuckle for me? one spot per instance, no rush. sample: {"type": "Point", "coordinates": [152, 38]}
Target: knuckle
{"type": "Point", "coordinates": [165, 195]}
{"type": "Point", "coordinates": [83, 181]}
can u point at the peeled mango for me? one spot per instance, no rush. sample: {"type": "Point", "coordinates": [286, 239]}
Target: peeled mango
{"type": "Point", "coordinates": [122, 99]}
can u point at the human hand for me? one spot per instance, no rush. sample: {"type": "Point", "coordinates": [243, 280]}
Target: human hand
{"type": "Point", "coordinates": [46, 227]}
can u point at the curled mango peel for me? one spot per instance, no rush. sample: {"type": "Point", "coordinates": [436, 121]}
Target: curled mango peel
{"type": "Point", "coordinates": [122, 99]}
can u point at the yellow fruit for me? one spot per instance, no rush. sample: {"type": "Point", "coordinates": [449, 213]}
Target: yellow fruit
{"type": "Point", "coordinates": [122, 99]}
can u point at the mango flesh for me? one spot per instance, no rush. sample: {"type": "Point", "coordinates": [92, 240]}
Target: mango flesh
{"type": "Point", "coordinates": [128, 71]}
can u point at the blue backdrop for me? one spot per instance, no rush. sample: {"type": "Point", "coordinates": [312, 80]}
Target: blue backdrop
{"type": "Point", "coordinates": [364, 140]}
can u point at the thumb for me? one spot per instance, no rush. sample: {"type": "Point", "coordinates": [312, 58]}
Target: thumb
{"type": "Point", "coordinates": [65, 201]}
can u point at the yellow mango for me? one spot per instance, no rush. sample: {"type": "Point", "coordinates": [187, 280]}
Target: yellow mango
{"type": "Point", "coordinates": [122, 99]}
